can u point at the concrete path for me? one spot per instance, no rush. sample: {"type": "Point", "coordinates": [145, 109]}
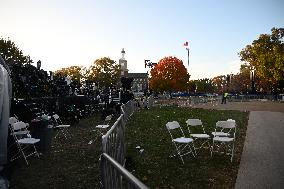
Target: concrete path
{"type": "Point", "coordinates": [262, 163]}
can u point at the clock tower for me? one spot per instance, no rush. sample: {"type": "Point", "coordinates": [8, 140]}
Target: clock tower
{"type": "Point", "coordinates": [123, 64]}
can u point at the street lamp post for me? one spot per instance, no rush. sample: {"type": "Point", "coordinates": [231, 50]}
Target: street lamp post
{"type": "Point", "coordinates": [253, 80]}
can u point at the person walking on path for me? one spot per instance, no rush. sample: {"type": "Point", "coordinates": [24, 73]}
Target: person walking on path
{"type": "Point", "coordinates": [224, 98]}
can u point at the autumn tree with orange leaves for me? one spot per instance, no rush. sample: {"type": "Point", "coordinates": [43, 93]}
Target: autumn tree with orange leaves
{"type": "Point", "coordinates": [169, 75]}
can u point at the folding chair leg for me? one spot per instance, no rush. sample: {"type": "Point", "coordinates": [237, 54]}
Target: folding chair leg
{"type": "Point", "coordinates": [63, 132]}
{"type": "Point", "coordinates": [233, 148]}
{"type": "Point", "coordinates": [69, 133]}
{"type": "Point", "coordinates": [212, 149]}
{"type": "Point", "coordinates": [37, 154]}
{"type": "Point", "coordinates": [181, 158]}
{"type": "Point", "coordinates": [20, 152]}
{"type": "Point", "coordinates": [229, 150]}
{"type": "Point", "coordinates": [181, 148]}
{"type": "Point", "coordinates": [178, 152]}
{"type": "Point", "coordinates": [204, 143]}
{"type": "Point", "coordinates": [57, 134]}
{"type": "Point", "coordinates": [195, 154]}
{"type": "Point", "coordinates": [201, 143]}
{"type": "Point", "coordinates": [99, 134]}
{"type": "Point", "coordinates": [23, 154]}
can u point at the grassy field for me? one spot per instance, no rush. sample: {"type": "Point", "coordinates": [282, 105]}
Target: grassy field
{"type": "Point", "coordinates": [71, 163]}
{"type": "Point", "coordinates": [75, 164]}
{"type": "Point", "coordinates": [155, 168]}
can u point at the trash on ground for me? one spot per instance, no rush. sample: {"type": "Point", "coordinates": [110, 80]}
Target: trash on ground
{"type": "Point", "coordinates": [91, 141]}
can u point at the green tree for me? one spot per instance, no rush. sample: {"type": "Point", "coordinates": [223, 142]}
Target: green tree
{"type": "Point", "coordinates": [204, 85]}
{"type": "Point", "coordinates": [22, 72]}
{"type": "Point", "coordinates": [169, 75]}
{"type": "Point", "coordinates": [105, 72]}
{"type": "Point", "coordinates": [219, 83]}
{"type": "Point", "coordinates": [266, 55]}
{"type": "Point", "coordinates": [12, 54]}
{"type": "Point", "coordinates": [191, 86]}
{"type": "Point", "coordinates": [241, 82]}
{"type": "Point", "coordinates": [75, 72]}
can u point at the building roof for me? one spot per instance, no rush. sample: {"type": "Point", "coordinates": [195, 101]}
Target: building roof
{"type": "Point", "coordinates": [138, 75]}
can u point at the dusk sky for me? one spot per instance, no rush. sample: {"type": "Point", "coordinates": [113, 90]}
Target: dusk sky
{"type": "Point", "coordinates": [63, 33]}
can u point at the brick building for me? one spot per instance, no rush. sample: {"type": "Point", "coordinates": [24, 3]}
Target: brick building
{"type": "Point", "coordinates": [140, 80]}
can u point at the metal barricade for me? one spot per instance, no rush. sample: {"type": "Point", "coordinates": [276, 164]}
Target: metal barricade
{"type": "Point", "coordinates": [113, 142]}
{"type": "Point", "coordinates": [129, 108]}
{"type": "Point", "coordinates": [114, 176]}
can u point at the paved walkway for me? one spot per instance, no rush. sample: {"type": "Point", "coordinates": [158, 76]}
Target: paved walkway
{"type": "Point", "coordinates": [262, 162]}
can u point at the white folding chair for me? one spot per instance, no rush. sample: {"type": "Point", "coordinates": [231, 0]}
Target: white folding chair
{"type": "Point", "coordinates": [182, 144]}
{"type": "Point", "coordinates": [197, 132]}
{"type": "Point", "coordinates": [62, 128]}
{"type": "Point", "coordinates": [222, 132]}
{"type": "Point", "coordinates": [108, 119]}
{"type": "Point", "coordinates": [13, 120]}
{"type": "Point", "coordinates": [25, 143]}
{"type": "Point", "coordinates": [22, 131]}
{"type": "Point", "coordinates": [224, 143]}
{"type": "Point", "coordinates": [101, 128]}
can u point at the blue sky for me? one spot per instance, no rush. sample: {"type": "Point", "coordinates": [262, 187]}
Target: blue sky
{"type": "Point", "coordinates": [64, 33]}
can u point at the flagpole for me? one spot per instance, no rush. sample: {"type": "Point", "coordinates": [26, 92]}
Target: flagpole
{"type": "Point", "coordinates": [187, 48]}
{"type": "Point", "coordinates": [187, 57]}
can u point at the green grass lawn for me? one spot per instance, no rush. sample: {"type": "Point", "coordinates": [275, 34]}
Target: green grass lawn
{"type": "Point", "coordinates": [71, 163]}
{"type": "Point", "coordinates": [75, 164]}
{"type": "Point", "coordinates": [155, 168]}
